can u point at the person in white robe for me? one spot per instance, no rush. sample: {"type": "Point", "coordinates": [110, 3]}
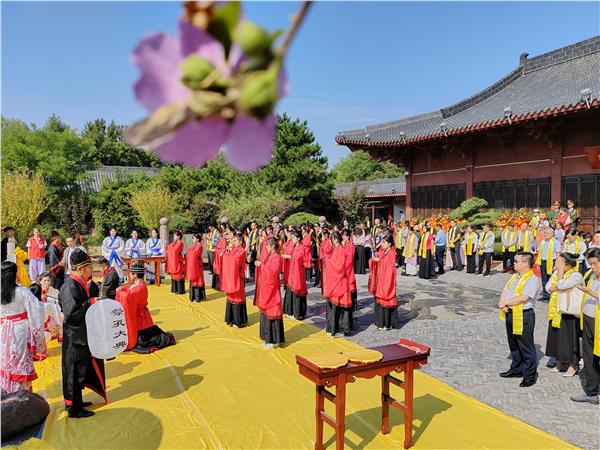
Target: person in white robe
{"type": "Point", "coordinates": [113, 249]}
{"type": "Point", "coordinates": [22, 332]}
{"type": "Point", "coordinates": [154, 247]}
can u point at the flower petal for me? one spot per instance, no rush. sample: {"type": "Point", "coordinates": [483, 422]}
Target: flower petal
{"type": "Point", "coordinates": [195, 142]}
{"type": "Point", "coordinates": [250, 143]}
{"type": "Point", "coordinates": [195, 40]}
{"type": "Point", "coordinates": [158, 57]}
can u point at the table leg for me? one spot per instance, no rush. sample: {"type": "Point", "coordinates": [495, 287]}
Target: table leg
{"type": "Point", "coordinates": [408, 401]}
{"type": "Point", "coordinates": [319, 409]}
{"type": "Point", "coordinates": [157, 273]}
{"type": "Point", "coordinates": [385, 406]}
{"type": "Point", "coordinates": [340, 412]}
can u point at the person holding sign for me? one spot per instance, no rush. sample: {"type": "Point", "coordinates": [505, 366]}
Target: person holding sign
{"type": "Point", "coordinates": [79, 367]}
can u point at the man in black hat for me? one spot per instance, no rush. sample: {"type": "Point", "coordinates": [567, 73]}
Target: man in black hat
{"type": "Point", "coordinates": [111, 280]}
{"type": "Point", "coordinates": [9, 232]}
{"type": "Point", "coordinates": [79, 367]}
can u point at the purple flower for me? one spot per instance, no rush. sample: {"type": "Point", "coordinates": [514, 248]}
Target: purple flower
{"type": "Point", "coordinates": [248, 141]}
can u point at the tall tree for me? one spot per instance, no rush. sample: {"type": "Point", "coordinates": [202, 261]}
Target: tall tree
{"type": "Point", "coordinates": [298, 167]}
{"type": "Point", "coordinates": [55, 151]}
{"type": "Point", "coordinates": [110, 149]}
{"type": "Point", "coordinates": [360, 166]}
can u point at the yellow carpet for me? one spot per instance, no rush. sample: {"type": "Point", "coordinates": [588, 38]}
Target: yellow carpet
{"type": "Point", "coordinates": [218, 388]}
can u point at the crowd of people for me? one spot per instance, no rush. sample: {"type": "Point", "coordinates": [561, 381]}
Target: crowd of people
{"type": "Point", "coordinates": [273, 257]}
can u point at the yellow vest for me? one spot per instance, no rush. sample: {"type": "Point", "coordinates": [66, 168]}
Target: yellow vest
{"type": "Point", "coordinates": [549, 261]}
{"type": "Point", "coordinates": [512, 248]}
{"type": "Point", "coordinates": [451, 237]}
{"type": "Point", "coordinates": [469, 243]}
{"type": "Point", "coordinates": [517, 309]}
{"type": "Point", "coordinates": [423, 245]}
{"type": "Point", "coordinates": [410, 244]}
{"type": "Point", "coordinates": [553, 312]}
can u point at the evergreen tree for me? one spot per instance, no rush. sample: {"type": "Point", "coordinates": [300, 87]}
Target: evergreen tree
{"type": "Point", "coordinates": [298, 167]}
{"type": "Point", "coordinates": [360, 166]}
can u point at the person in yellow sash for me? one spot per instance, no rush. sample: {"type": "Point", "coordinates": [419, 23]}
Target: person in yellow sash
{"type": "Point", "coordinates": [454, 235]}
{"type": "Point", "coordinates": [589, 376]}
{"type": "Point", "coordinates": [470, 244]}
{"type": "Point", "coordinates": [211, 240]}
{"type": "Point", "coordinates": [525, 239]}
{"type": "Point", "coordinates": [548, 249]}
{"type": "Point", "coordinates": [410, 252]}
{"type": "Point", "coordinates": [426, 249]}
{"type": "Point", "coordinates": [562, 342]}
{"type": "Point", "coordinates": [516, 307]}
{"type": "Point", "coordinates": [252, 247]}
{"type": "Point", "coordinates": [509, 247]}
{"type": "Point", "coordinates": [486, 250]}
{"type": "Point", "coordinates": [574, 244]}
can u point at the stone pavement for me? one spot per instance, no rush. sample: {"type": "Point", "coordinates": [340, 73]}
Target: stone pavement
{"type": "Point", "coordinates": [456, 315]}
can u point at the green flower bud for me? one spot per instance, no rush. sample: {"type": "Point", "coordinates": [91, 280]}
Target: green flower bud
{"type": "Point", "coordinates": [194, 70]}
{"type": "Point", "coordinates": [253, 40]}
{"type": "Point", "coordinates": [259, 93]}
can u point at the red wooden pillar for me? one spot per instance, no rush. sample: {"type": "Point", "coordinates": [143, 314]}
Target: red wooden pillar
{"type": "Point", "coordinates": [469, 175]}
{"type": "Point", "coordinates": [408, 206]}
{"type": "Point", "coordinates": [556, 172]}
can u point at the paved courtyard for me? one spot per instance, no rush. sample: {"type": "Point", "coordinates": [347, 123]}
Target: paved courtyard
{"type": "Point", "coordinates": [456, 315]}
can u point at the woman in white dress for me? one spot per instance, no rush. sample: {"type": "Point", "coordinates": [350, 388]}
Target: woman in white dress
{"type": "Point", "coordinates": [21, 332]}
{"type": "Point", "coordinates": [154, 247]}
{"type": "Point", "coordinates": [410, 252]}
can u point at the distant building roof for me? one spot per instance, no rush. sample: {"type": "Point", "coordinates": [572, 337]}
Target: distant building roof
{"type": "Point", "coordinates": [554, 83]}
{"type": "Point", "coordinates": [95, 178]}
{"type": "Point", "coordinates": [391, 187]}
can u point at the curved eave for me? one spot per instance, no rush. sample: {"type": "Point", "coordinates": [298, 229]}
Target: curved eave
{"type": "Point", "coordinates": [476, 127]}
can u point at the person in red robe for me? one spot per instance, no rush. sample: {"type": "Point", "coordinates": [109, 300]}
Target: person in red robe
{"type": "Point", "coordinates": [269, 299]}
{"type": "Point", "coordinates": [218, 251]}
{"type": "Point", "coordinates": [307, 246]}
{"type": "Point", "coordinates": [266, 234]}
{"type": "Point", "coordinates": [350, 251]}
{"type": "Point", "coordinates": [294, 301]}
{"type": "Point", "coordinates": [336, 289]}
{"type": "Point", "coordinates": [194, 269]}
{"type": "Point", "coordinates": [287, 249]}
{"type": "Point", "coordinates": [324, 252]}
{"type": "Point", "coordinates": [143, 335]}
{"type": "Point", "coordinates": [382, 284]}
{"type": "Point", "coordinates": [175, 264]}
{"type": "Point", "coordinates": [233, 276]}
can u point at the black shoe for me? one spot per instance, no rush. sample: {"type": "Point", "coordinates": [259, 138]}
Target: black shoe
{"type": "Point", "coordinates": [81, 414]}
{"type": "Point", "coordinates": [528, 382]}
{"type": "Point", "coordinates": [487, 274]}
{"type": "Point", "coordinates": [86, 404]}
{"type": "Point", "coordinates": [509, 374]}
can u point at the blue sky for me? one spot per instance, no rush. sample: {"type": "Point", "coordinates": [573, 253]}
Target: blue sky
{"type": "Point", "coordinates": [352, 64]}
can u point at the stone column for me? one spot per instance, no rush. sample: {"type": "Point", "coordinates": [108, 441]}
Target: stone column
{"type": "Point", "coordinates": [163, 231]}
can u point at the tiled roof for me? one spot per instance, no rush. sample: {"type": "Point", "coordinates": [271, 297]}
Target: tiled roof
{"type": "Point", "coordinates": [391, 187]}
{"type": "Point", "coordinates": [553, 83]}
{"type": "Point", "coordinates": [95, 178]}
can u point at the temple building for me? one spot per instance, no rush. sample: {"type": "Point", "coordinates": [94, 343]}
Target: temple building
{"type": "Point", "coordinates": [529, 139]}
{"type": "Point", "coordinates": [384, 199]}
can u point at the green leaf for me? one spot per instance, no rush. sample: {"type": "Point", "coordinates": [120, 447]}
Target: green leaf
{"type": "Point", "coordinates": [253, 40]}
{"type": "Point", "coordinates": [223, 23]}
{"type": "Point", "coordinates": [194, 70]}
{"type": "Point", "coordinates": [259, 93]}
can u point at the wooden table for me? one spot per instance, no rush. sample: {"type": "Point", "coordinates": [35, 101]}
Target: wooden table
{"type": "Point", "coordinates": [403, 357]}
{"type": "Point", "coordinates": [157, 260]}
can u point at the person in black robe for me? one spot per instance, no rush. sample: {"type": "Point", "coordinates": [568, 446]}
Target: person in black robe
{"type": "Point", "coordinates": [54, 256]}
{"type": "Point", "coordinates": [79, 368]}
{"type": "Point", "coordinates": [111, 280]}
{"type": "Point", "coordinates": [8, 232]}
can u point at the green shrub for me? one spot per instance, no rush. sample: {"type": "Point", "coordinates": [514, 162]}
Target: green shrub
{"type": "Point", "coordinates": [300, 218]}
{"type": "Point", "coordinates": [468, 208]}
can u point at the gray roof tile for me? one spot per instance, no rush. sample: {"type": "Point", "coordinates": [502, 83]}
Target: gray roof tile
{"type": "Point", "coordinates": [391, 187]}
{"type": "Point", "coordinates": [544, 82]}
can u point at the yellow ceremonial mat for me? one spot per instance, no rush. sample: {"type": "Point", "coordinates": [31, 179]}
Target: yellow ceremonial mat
{"type": "Point", "coordinates": [363, 356]}
{"type": "Point", "coordinates": [328, 360]}
{"type": "Point", "coordinates": [218, 389]}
